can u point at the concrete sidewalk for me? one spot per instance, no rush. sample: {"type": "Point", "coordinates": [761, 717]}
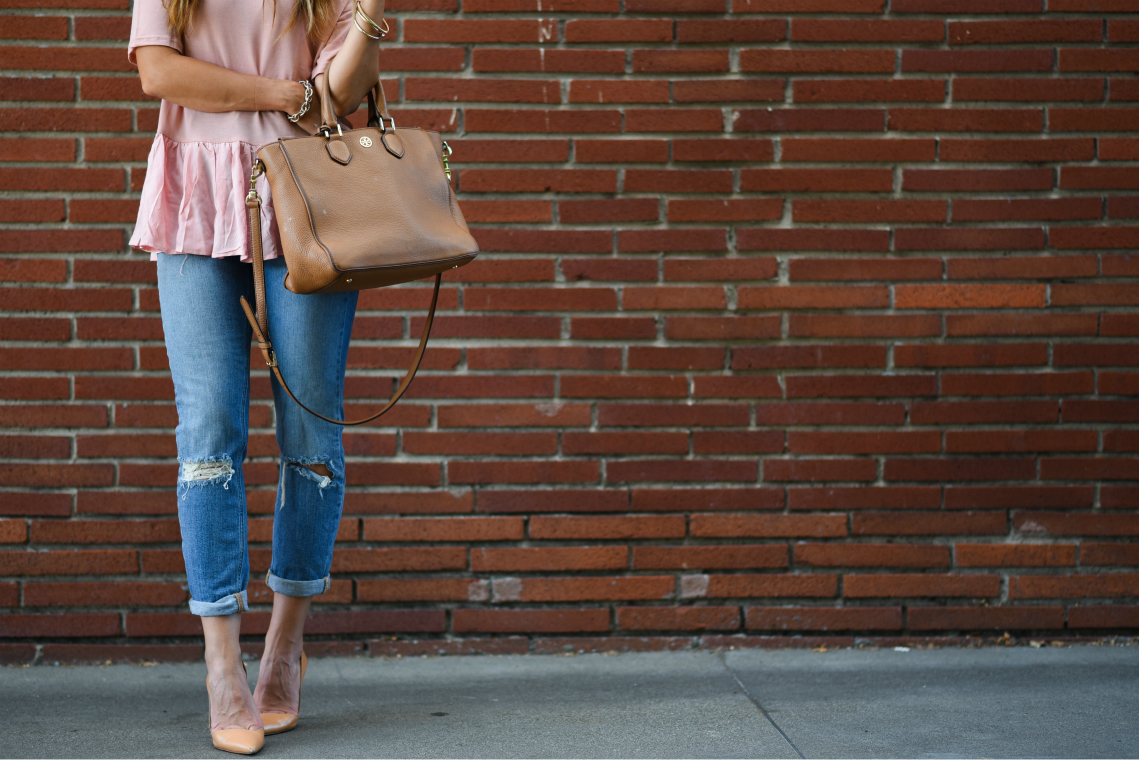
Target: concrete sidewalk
{"type": "Point", "coordinates": [1080, 701]}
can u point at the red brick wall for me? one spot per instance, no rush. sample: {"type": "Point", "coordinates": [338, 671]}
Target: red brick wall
{"type": "Point", "coordinates": [794, 316]}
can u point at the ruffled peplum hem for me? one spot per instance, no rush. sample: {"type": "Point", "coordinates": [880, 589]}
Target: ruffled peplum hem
{"type": "Point", "coordinates": [193, 201]}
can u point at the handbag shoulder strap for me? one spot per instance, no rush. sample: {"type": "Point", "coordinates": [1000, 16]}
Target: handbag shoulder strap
{"type": "Point", "coordinates": [260, 321]}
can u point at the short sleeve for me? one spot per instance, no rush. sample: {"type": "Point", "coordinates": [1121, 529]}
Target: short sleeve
{"type": "Point", "coordinates": [335, 41]}
{"type": "Point", "coordinates": [150, 26]}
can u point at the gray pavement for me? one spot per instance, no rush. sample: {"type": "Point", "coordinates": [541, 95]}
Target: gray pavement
{"type": "Point", "coordinates": [1079, 701]}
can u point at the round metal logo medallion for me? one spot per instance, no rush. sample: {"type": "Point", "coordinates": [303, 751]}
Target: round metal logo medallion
{"type": "Point", "coordinates": [366, 141]}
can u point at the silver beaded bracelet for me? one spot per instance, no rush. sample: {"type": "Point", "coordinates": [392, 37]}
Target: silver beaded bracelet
{"type": "Point", "coordinates": [308, 102]}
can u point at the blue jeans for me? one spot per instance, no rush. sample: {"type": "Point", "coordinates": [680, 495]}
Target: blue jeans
{"type": "Point", "coordinates": [208, 344]}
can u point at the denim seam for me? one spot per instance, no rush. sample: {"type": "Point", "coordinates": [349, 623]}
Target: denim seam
{"type": "Point", "coordinates": [325, 582]}
{"type": "Point", "coordinates": [248, 333]}
{"type": "Point", "coordinates": [342, 359]}
{"type": "Point", "coordinates": [227, 605]}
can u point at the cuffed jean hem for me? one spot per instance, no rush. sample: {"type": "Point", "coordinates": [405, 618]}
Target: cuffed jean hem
{"type": "Point", "coordinates": [225, 606]}
{"type": "Point", "coordinates": [298, 588]}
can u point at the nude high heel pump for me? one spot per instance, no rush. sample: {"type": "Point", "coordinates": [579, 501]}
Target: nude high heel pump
{"type": "Point", "coordinates": [242, 741]}
{"type": "Point", "coordinates": [276, 723]}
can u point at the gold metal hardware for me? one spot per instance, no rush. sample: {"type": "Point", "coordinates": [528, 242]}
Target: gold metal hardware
{"type": "Point", "coordinates": [383, 30]}
{"type": "Point", "coordinates": [366, 141]}
{"type": "Point", "coordinates": [446, 153]}
{"type": "Point", "coordinates": [258, 170]}
{"type": "Point", "coordinates": [369, 36]}
{"type": "Point", "coordinates": [348, 280]}
{"type": "Point", "coordinates": [272, 359]}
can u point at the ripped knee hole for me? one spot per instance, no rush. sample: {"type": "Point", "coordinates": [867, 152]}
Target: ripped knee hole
{"type": "Point", "coordinates": [319, 469]}
{"type": "Point", "coordinates": [205, 473]}
{"type": "Point", "coordinates": [212, 470]}
{"type": "Point", "coordinates": [319, 472]}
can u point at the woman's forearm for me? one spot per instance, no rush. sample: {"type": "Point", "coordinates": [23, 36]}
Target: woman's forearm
{"type": "Point", "coordinates": [203, 86]}
{"type": "Point", "coordinates": [356, 66]}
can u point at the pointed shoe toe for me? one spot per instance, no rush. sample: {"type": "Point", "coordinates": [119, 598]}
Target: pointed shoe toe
{"type": "Point", "coordinates": [276, 723]}
{"type": "Point", "coordinates": [241, 741]}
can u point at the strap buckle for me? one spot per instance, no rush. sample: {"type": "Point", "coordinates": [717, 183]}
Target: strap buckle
{"type": "Point", "coordinates": [258, 170]}
{"type": "Point", "coordinates": [389, 118]}
{"type": "Point", "coordinates": [272, 359]}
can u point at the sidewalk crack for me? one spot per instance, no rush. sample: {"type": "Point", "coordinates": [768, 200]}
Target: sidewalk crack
{"type": "Point", "coordinates": [754, 701]}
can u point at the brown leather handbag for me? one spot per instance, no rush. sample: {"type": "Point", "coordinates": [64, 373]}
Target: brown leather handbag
{"type": "Point", "coordinates": [360, 209]}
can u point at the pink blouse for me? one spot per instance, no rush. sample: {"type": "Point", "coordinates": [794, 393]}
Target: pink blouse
{"type": "Point", "coordinates": [197, 174]}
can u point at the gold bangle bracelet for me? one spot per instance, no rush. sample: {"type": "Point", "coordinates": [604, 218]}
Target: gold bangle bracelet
{"type": "Point", "coordinates": [369, 36]}
{"type": "Point", "coordinates": [383, 30]}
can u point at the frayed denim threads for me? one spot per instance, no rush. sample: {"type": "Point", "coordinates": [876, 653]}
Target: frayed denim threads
{"type": "Point", "coordinates": [207, 472]}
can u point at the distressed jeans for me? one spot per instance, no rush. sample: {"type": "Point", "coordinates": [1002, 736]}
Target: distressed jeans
{"type": "Point", "coordinates": [208, 344]}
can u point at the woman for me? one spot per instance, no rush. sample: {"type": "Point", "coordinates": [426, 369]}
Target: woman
{"type": "Point", "coordinates": [234, 75]}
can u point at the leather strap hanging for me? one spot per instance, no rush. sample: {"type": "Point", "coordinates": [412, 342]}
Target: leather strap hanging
{"type": "Point", "coordinates": [260, 321]}
{"type": "Point", "coordinates": [418, 230]}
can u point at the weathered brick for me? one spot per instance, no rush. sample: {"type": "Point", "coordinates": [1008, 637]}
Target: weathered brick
{"type": "Point", "coordinates": [562, 500]}
{"type": "Point", "coordinates": [548, 559]}
{"type": "Point", "coordinates": [919, 585]}
{"type": "Point", "coordinates": [1018, 555]}
{"type": "Point", "coordinates": [613, 588]}
{"type": "Point", "coordinates": [530, 621]}
{"type": "Point", "coordinates": [765, 585]}
{"type": "Point", "coordinates": [732, 557]}
{"type": "Point", "coordinates": [823, 618]}
{"type": "Point", "coordinates": [690, 499]}
{"type": "Point", "coordinates": [768, 526]}
{"type": "Point", "coordinates": [929, 524]}
{"type": "Point", "coordinates": [421, 590]}
{"type": "Point", "coordinates": [985, 618]}
{"type": "Point", "coordinates": [678, 618]}
{"type": "Point", "coordinates": [1074, 587]}
{"type": "Point", "coordinates": [622, 527]}
{"type": "Point", "coordinates": [437, 529]}
{"type": "Point", "coordinates": [872, 555]}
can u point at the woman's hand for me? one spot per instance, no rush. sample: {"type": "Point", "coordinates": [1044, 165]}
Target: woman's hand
{"type": "Point", "coordinates": [311, 120]}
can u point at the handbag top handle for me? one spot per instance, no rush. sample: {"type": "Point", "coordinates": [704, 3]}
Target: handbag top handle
{"type": "Point", "coordinates": [376, 117]}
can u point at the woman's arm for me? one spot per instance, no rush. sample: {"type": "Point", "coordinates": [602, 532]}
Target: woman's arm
{"type": "Point", "coordinates": [202, 86]}
{"type": "Point", "coordinates": [356, 66]}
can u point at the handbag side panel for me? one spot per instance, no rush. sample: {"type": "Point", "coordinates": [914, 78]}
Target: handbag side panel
{"type": "Point", "coordinates": [310, 265]}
